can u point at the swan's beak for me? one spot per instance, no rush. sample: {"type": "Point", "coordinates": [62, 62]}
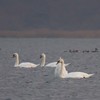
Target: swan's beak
{"type": "Point", "coordinates": [40, 56]}
{"type": "Point", "coordinates": [13, 56]}
{"type": "Point", "coordinates": [57, 62]}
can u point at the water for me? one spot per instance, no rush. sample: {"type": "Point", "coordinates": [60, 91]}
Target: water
{"type": "Point", "coordinates": [40, 83]}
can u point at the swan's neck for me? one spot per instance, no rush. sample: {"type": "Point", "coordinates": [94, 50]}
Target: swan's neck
{"type": "Point", "coordinates": [63, 71]}
{"type": "Point", "coordinates": [17, 60]}
{"type": "Point", "coordinates": [43, 60]}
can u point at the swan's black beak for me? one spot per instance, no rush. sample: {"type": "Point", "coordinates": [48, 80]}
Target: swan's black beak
{"type": "Point", "coordinates": [40, 56]}
{"type": "Point", "coordinates": [13, 56]}
{"type": "Point", "coordinates": [57, 62]}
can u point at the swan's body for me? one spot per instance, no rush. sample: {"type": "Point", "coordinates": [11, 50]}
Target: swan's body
{"type": "Point", "coordinates": [61, 72]}
{"type": "Point", "coordinates": [24, 64]}
{"type": "Point", "coordinates": [52, 64]}
{"type": "Point", "coordinates": [77, 75]}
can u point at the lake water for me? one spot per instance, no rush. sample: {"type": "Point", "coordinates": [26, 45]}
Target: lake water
{"type": "Point", "coordinates": [40, 83]}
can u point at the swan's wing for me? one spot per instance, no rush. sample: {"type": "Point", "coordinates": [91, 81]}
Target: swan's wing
{"type": "Point", "coordinates": [67, 64]}
{"type": "Point", "coordinates": [53, 64]}
{"type": "Point", "coordinates": [27, 65]}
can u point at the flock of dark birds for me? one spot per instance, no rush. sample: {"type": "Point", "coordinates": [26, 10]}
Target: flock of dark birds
{"type": "Point", "coordinates": [76, 51]}
{"type": "Point", "coordinates": [83, 51]}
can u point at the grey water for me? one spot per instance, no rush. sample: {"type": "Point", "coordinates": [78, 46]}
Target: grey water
{"type": "Point", "coordinates": [40, 83]}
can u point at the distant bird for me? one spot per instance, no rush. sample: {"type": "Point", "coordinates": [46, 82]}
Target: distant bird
{"type": "Point", "coordinates": [96, 50]}
{"type": "Point", "coordinates": [85, 51]}
{"type": "Point", "coordinates": [65, 51]}
{"type": "Point", "coordinates": [60, 71]}
{"type": "Point", "coordinates": [24, 64]}
{"type": "Point", "coordinates": [73, 51]}
{"type": "Point", "coordinates": [52, 64]}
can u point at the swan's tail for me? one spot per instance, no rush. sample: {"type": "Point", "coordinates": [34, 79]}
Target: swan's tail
{"type": "Point", "coordinates": [89, 75]}
{"type": "Point", "coordinates": [67, 64]}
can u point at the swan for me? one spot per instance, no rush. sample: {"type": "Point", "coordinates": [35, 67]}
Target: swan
{"type": "Point", "coordinates": [52, 64]}
{"type": "Point", "coordinates": [60, 71]}
{"type": "Point", "coordinates": [24, 64]}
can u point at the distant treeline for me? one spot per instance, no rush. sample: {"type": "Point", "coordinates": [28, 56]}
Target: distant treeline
{"type": "Point", "coordinates": [52, 33]}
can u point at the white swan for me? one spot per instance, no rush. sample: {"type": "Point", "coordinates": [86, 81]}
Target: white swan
{"type": "Point", "coordinates": [60, 71]}
{"type": "Point", "coordinates": [52, 64]}
{"type": "Point", "coordinates": [24, 64]}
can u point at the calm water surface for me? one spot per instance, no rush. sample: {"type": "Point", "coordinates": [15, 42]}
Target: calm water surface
{"type": "Point", "coordinates": [40, 83]}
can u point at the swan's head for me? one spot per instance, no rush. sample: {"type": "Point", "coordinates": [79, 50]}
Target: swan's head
{"type": "Point", "coordinates": [42, 55]}
{"type": "Point", "coordinates": [15, 55]}
{"type": "Point", "coordinates": [60, 61]}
